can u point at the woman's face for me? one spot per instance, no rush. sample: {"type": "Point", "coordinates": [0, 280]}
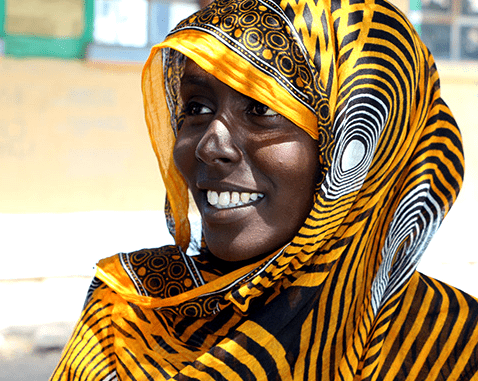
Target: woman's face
{"type": "Point", "coordinates": [252, 172]}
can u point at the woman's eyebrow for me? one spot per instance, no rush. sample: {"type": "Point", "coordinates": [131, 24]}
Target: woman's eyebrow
{"type": "Point", "coordinates": [194, 80]}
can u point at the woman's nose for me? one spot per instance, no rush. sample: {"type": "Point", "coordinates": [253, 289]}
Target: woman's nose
{"type": "Point", "coordinates": [217, 145]}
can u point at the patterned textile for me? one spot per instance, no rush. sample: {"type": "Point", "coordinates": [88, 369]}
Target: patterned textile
{"type": "Point", "coordinates": [343, 300]}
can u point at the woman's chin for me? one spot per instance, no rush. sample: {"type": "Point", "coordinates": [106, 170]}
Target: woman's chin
{"type": "Point", "coordinates": [228, 261]}
{"type": "Point", "coordinates": [243, 249]}
{"type": "Point", "coordinates": [232, 253]}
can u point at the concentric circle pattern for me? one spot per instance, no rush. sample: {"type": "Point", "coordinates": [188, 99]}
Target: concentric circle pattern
{"type": "Point", "coordinates": [165, 273]}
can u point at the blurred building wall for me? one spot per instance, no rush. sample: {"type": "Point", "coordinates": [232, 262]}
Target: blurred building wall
{"type": "Point", "coordinates": [73, 138]}
{"type": "Point", "coordinates": [459, 83]}
{"type": "Point", "coordinates": [402, 4]}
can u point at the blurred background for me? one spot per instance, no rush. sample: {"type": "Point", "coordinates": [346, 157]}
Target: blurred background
{"type": "Point", "coordinates": [79, 180]}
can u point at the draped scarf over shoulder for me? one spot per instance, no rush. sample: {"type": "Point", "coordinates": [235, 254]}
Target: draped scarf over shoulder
{"type": "Point", "coordinates": [343, 300]}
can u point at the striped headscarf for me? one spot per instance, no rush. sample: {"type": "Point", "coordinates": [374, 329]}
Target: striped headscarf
{"type": "Point", "coordinates": [343, 300]}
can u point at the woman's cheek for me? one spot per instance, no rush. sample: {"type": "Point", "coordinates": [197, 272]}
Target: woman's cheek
{"type": "Point", "coordinates": [286, 159]}
{"type": "Point", "coordinates": [184, 155]}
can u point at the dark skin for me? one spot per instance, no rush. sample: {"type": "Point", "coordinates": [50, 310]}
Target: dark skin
{"type": "Point", "coordinates": [252, 172]}
{"type": "Point", "coordinates": [204, 3]}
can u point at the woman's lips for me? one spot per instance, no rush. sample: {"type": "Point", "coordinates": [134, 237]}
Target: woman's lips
{"type": "Point", "coordinates": [227, 203]}
{"type": "Point", "coordinates": [221, 208]}
{"type": "Point", "coordinates": [228, 200]}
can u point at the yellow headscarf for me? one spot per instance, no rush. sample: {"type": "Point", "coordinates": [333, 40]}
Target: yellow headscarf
{"type": "Point", "coordinates": [343, 300]}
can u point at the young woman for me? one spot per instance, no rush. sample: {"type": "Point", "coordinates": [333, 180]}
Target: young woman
{"type": "Point", "coordinates": [322, 159]}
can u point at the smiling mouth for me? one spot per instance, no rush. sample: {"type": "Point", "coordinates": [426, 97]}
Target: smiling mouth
{"type": "Point", "coordinates": [226, 200]}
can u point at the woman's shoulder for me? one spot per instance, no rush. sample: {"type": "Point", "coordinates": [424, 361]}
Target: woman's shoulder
{"type": "Point", "coordinates": [435, 323]}
{"type": "Point", "coordinates": [447, 293]}
{"type": "Point", "coordinates": [441, 307]}
{"type": "Point", "coordinates": [148, 273]}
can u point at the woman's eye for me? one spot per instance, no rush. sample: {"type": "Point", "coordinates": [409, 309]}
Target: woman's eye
{"type": "Point", "coordinates": [257, 108]}
{"type": "Point", "coordinates": [194, 108]}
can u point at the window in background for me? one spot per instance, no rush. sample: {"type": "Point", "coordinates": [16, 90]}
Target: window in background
{"type": "Point", "coordinates": [121, 22]}
{"type": "Point", "coordinates": [125, 30]}
{"type": "Point", "coordinates": [449, 28]}
{"type": "Point", "coordinates": [46, 28]}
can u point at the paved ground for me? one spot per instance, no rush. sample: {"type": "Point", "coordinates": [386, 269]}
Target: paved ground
{"type": "Point", "coordinates": [41, 316]}
{"type": "Point", "coordinates": [32, 352]}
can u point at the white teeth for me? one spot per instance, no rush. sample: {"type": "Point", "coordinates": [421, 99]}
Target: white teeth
{"type": "Point", "coordinates": [212, 197]}
{"type": "Point", "coordinates": [235, 197]}
{"type": "Point", "coordinates": [225, 200]}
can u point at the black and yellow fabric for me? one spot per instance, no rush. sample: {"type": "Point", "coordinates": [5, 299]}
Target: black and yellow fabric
{"type": "Point", "coordinates": [341, 301]}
